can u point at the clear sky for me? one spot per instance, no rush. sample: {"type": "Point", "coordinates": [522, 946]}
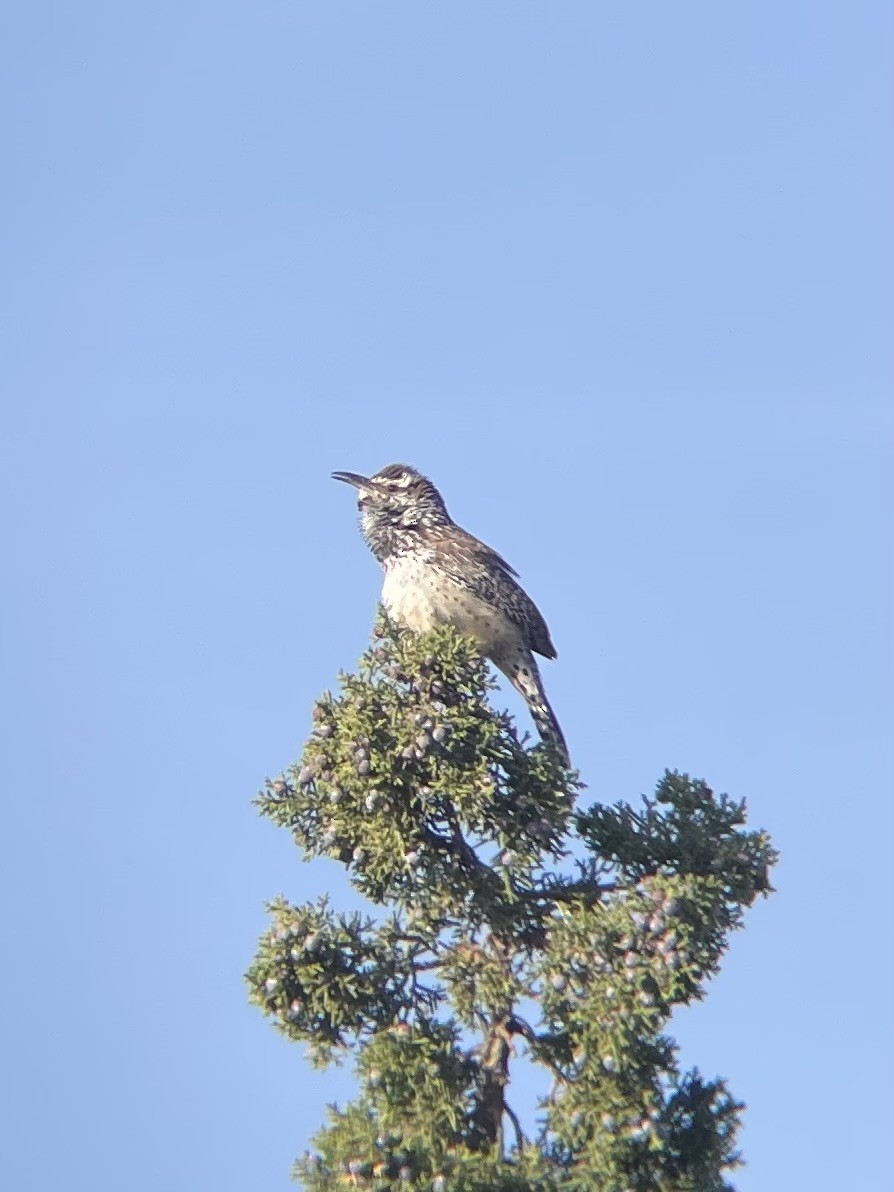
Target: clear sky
{"type": "Point", "coordinates": [619, 278]}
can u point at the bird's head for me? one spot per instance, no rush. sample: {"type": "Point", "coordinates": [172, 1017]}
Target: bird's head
{"type": "Point", "coordinates": [395, 504]}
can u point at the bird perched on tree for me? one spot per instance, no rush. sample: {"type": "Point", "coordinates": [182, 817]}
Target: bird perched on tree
{"type": "Point", "coordinates": [438, 574]}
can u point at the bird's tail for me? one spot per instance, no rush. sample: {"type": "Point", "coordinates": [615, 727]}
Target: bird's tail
{"type": "Point", "coordinates": [525, 678]}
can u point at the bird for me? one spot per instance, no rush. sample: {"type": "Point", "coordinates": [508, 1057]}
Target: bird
{"type": "Point", "coordinates": [437, 573]}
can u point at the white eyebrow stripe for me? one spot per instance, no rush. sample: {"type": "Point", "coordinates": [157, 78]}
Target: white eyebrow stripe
{"type": "Point", "coordinates": [398, 481]}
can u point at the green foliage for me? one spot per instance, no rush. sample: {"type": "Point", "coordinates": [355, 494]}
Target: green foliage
{"type": "Point", "coordinates": [488, 942]}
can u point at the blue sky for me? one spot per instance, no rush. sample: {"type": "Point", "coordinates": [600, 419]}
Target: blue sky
{"type": "Point", "coordinates": [619, 278]}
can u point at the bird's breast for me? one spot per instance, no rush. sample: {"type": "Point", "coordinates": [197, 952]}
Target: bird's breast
{"type": "Point", "coordinates": [408, 594]}
{"type": "Point", "coordinates": [420, 595]}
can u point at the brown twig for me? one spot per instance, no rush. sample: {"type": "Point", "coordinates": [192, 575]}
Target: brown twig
{"type": "Point", "coordinates": [518, 1026]}
{"type": "Point", "coordinates": [520, 1139]}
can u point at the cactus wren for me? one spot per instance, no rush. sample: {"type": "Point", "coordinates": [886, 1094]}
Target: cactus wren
{"type": "Point", "coordinates": [438, 574]}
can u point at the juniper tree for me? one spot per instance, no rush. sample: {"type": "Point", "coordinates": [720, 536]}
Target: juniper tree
{"type": "Point", "coordinates": [502, 922]}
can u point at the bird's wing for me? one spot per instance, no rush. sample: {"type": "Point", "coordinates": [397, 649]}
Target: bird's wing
{"type": "Point", "coordinates": [479, 552]}
{"type": "Point", "coordinates": [479, 567]}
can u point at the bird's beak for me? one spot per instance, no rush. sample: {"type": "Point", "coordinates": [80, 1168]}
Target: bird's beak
{"type": "Point", "coordinates": [360, 482]}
